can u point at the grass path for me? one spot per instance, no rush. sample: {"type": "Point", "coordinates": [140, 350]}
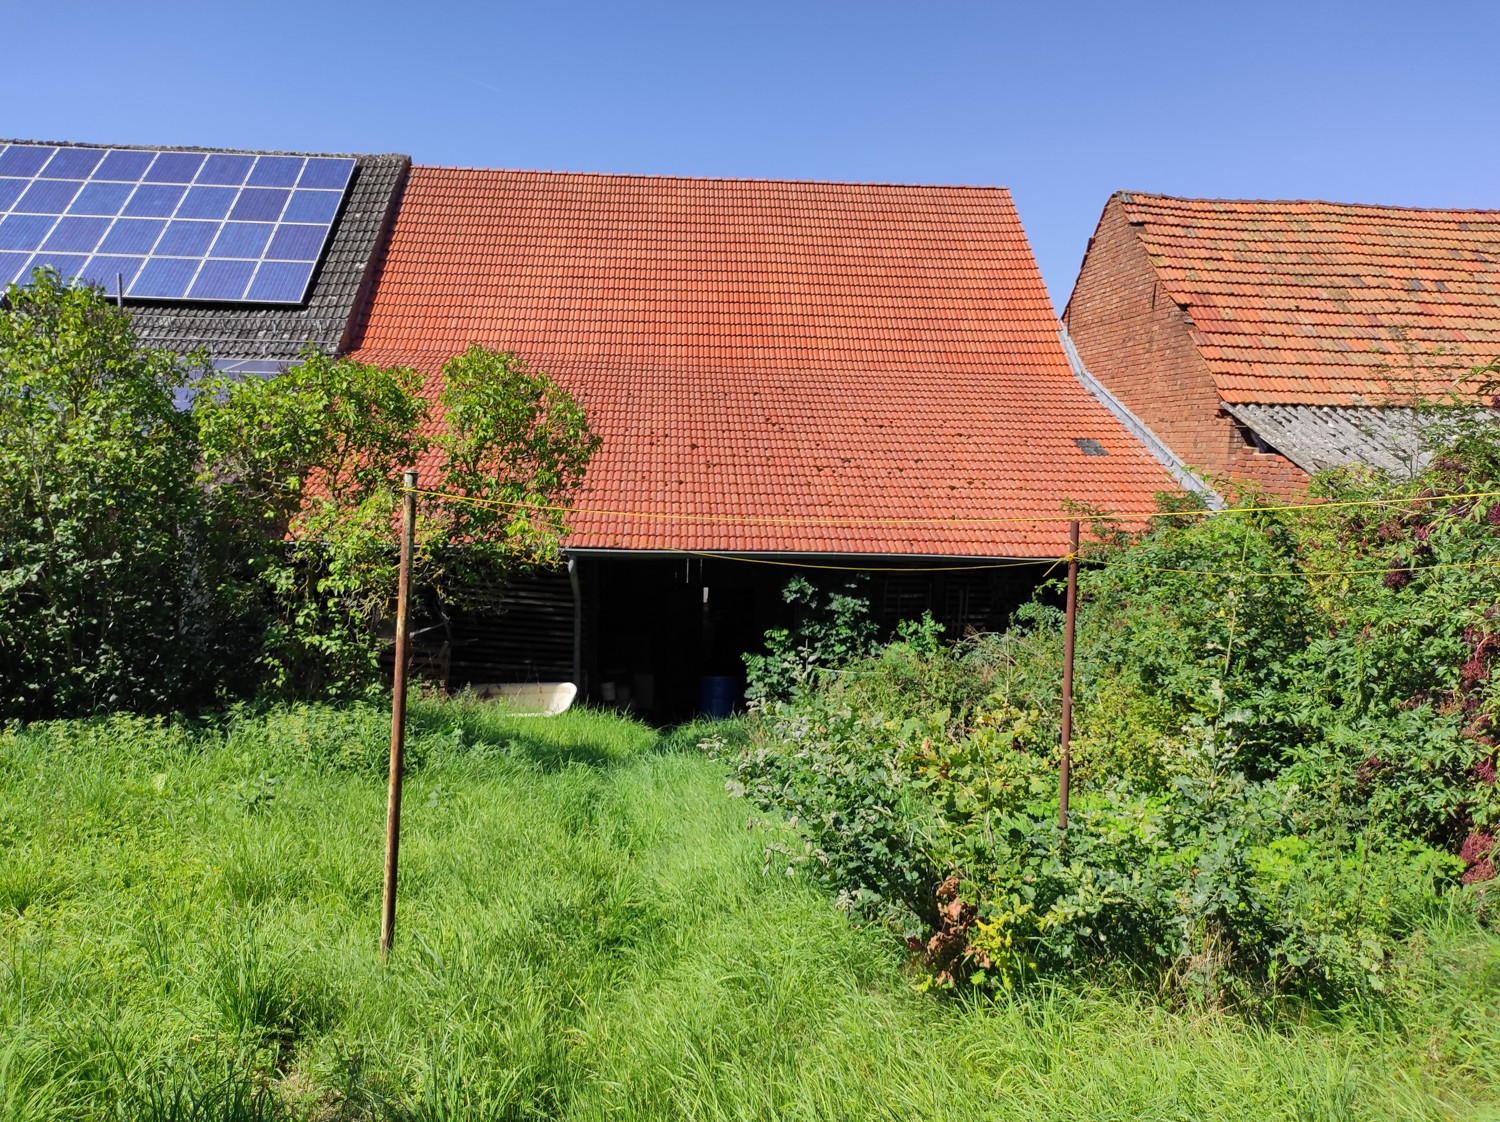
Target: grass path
{"type": "Point", "coordinates": [188, 919]}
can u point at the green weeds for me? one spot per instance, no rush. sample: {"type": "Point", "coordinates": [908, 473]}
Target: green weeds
{"type": "Point", "coordinates": [585, 932]}
{"type": "Point", "coordinates": [1284, 758]}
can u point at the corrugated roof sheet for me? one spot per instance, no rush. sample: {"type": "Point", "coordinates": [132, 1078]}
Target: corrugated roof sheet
{"type": "Point", "coordinates": [769, 353]}
{"type": "Point", "coordinates": [1326, 303]}
{"type": "Point", "coordinates": [1324, 436]}
{"type": "Point", "coordinates": [1397, 440]}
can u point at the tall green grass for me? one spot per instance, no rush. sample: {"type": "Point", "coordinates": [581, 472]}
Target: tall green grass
{"type": "Point", "coordinates": [188, 919]}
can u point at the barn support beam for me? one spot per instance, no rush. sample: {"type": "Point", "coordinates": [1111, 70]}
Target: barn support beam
{"type": "Point", "coordinates": [577, 624]}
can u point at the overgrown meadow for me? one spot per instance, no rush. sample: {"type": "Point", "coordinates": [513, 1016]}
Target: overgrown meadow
{"type": "Point", "coordinates": [188, 919]}
{"type": "Point", "coordinates": [1273, 900]}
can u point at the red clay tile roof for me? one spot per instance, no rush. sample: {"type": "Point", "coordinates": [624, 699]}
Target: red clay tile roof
{"type": "Point", "coordinates": [1325, 303]}
{"type": "Point", "coordinates": [768, 352]}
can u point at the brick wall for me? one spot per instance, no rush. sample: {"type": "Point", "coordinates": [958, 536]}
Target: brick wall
{"type": "Point", "coordinates": [1138, 342]}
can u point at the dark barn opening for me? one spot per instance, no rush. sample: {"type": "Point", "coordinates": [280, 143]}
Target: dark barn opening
{"type": "Point", "coordinates": [644, 631]}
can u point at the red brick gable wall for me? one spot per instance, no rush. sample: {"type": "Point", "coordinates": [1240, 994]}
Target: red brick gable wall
{"type": "Point", "coordinates": [1139, 343]}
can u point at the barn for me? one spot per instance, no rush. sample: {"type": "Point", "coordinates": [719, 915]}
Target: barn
{"type": "Point", "coordinates": [1262, 341]}
{"type": "Point", "coordinates": [831, 378]}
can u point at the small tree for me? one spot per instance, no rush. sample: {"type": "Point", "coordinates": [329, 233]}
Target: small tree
{"type": "Point", "coordinates": [829, 630]}
{"type": "Point", "coordinates": [306, 466]}
{"type": "Point", "coordinates": [102, 597]}
{"type": "Point", "coordinates": [299, 472]}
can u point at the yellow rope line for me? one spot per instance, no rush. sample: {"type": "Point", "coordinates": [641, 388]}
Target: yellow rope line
{"type": "Point", "coordinates": [731, 519]}
{"type": "Point", "coordinates": [1303, 572]}
{"type": "Point", "coordinates": [754, 520]}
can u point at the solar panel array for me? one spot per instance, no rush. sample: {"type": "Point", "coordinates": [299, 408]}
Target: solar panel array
{"type": "Point", "coordinates": [222, 226]}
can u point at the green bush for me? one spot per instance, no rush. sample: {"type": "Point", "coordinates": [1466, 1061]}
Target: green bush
{"type": "Point", "coordinates": [830, 629]}
{"type": "Point", "coordinates": [1284, 752]}
{"type": "Point", "coordinates": [106, 581]}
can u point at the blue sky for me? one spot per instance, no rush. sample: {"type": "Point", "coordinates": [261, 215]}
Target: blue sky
{"type": "Point", "coordinates": [1062, 102]}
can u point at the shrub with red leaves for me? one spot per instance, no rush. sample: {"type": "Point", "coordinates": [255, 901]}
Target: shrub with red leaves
{"type": "Point", "coordinates": [1369, 771]}
{"type": "Point", "coordinates": [1478, 853]}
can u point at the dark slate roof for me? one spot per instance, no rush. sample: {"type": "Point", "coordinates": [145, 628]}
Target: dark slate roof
{"type": "Point", "coordinates": [1395, 439]}
{"type": "Point", "coordinates": [338, 288]}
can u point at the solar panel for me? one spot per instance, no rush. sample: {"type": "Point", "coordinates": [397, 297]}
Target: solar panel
{"type": "Point", "coordinates": [261, 367]}
{"type": "Point", "coordinates": [222, 226]}
{"type": "Point", "coordinates": [241, 368]}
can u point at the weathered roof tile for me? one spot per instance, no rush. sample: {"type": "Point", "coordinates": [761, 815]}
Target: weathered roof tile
{"type": "Point", "coordinates": [1328, 303]}
{"type": "Point", "coordinates": [773, 366]}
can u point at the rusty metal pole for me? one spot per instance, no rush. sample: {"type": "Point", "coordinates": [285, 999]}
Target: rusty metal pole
{"type": "Point", "coordinates": [398, 713]}
{"type": "Point", "coordinates": [1069, 626]}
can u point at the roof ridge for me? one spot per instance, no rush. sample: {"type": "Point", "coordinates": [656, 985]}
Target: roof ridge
{"type": "Point", "coordinates": [203, 148]}
{"type": "Point", "coordinates": [660, 177]}
{"type": "Point", "coordinates": [1133, 197]}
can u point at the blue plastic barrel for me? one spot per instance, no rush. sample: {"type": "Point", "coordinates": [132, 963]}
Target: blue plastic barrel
{"type": "Point", "coordinates": [720, 696]}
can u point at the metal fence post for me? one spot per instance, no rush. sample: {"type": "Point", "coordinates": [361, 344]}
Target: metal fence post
{"type": "Point", "coordinates": [398, 713]}
{"type": "Point", "coordinates": [1070, 624]}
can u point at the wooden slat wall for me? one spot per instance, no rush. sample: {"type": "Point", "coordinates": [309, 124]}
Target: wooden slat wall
{"type": "Point", "coordinates": [528, 637]}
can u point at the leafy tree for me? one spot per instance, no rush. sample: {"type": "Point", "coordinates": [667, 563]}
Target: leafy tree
{"type": "Point", "coordinates": [153, 557]}
{"type": "Point", "coordinates": [514, 442]}
{"type": "Point", "coordinates": [305, 468]}
{"type": "Point", "coordinates": [101, 598]}
{"type": "Point", "coordinates": [300, 475]}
